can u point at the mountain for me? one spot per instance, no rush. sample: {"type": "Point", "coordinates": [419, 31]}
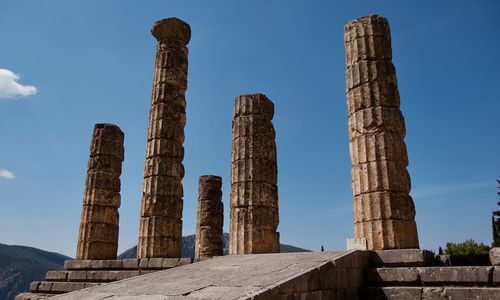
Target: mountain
{"type": "Point", "coordinates": [20, 265]}
{"type": "Point", "coordinates": [188, 247]}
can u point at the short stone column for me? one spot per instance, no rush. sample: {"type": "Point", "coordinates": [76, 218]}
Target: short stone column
{"type": "Point", "coordinates": [210, 218]}
{"type": "Point", "coordinates": [160, 227]}
{"type": "Point", "coordinates": [98, 238]}
{"type": "Point", "coordinates": [254, 191]}
{"type": "Point", "coordinates": [384, 212]}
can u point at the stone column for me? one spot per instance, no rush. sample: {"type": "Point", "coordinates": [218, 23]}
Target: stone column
{"type": "Point", "coordinates": [160, 228]}
{"type": "Point", "coordinates": [210, 218]}
{"type": "Point", "coordinates": [254, 172]}
{"type": "Point", "coordinates": [98, 238]}
{"type": "Point", "coordinates": [384, 212]}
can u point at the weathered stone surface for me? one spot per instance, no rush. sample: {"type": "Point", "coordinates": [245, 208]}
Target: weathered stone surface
{"type": "Point", "coordinates": [496, 276]}
{"type": "Point", "coordinates": [401, 258]}
{"type": "Point", "coordinates": [98, 237]}
{"type": "Point", "coordinates": [160, 229]}
{"type": "Point", "coordinates": [391, 293]}
{"type": "Point", "coordinates": [262, 276]}
{"type": "Point", "coordinates": [392, 276]}
{"type": "Point", "coordinates": [210, 218]}
{"type": "Point", "coordinates": [384, 211]}
{"type": "Point", "coordinates": [495, 256]}
{"type": "Point", "coordinates": [254, 176]}
{"type": "Point", "coordinates": [32, 296]}
{"type": "Point", "coordinates": [455, 275]}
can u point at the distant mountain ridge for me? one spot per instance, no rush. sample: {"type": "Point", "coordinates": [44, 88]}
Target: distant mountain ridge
{"type": "Point", "coordinates": [188, 242]}
{"type": "Point", "coordinates": [20, 265]}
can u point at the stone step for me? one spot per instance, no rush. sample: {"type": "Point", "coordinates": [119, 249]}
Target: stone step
{"type": "Point", "coordinates": [433, 276]}
{"type": "Point", "coordinates": [156, 263]}
{"type": "Point", "coordinates": [401, 258]}
{"type": "Point", "coordinates": [435, 293]}
{"type": "Point", "coordinates": [93, 275]}
{"type": "Point", "coordinates": [50, 287]}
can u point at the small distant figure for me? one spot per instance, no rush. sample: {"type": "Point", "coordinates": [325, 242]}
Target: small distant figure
{"type": "Point", "coordinates": [322, 249]}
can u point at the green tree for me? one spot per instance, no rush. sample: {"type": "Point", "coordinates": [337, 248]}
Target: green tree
{"type": "Point", "coordinates": [495, 222]}
{"type": "Point", "coordinates": [469, 247]}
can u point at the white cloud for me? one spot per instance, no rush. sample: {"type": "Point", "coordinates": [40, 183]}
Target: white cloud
{"type": "Point", "coordinates": [10, 88]}
{"type": "Point", "coordinates": [6, 174]}
{"type": "Point", "coordinates": [436, 190]}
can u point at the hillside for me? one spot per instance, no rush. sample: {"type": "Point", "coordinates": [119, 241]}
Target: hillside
{"type": "Point", "coordinates": [188, 247]}
{"type": "Point", "coordinates": [20, 265]}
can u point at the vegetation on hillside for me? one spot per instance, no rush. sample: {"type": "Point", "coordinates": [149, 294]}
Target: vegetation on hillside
{"type": "Point", "coordinates": [469, 247]}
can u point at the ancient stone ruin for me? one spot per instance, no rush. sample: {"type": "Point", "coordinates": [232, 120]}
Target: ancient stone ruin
{"type": "Point", "coordinates": [254, 191]}
{"type": "Point", "coordinates": [98, 238]}
{"type": "Point", "coordinates": [384, 212]}
{"type": "Point", "coordinates": [210, 218]}
{"type": "Point", "coordinates": [160, 229]}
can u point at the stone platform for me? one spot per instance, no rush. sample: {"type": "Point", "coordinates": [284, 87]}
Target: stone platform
{"type": "Point", "coordinates": [81, 274]}
{"type": "Point", "coordinates": [321, 275]}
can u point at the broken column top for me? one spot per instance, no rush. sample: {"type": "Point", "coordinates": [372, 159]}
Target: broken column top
{"type": "Point", "coordinates": [373, 20]}
{"type": "Point", "coordinates": [108, 140]}
{"type": "Point", "coordinates": [210, 178]}
{"type": "Point", "coordinates": [172, 28]}
{"type": "Point", "coordinates": [253, 104]}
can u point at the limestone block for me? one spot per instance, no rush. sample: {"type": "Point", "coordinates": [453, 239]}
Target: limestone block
{"type": "Point", "coordinates": [372, 94]}
{"type": "Point", "coordinates": [253, 104]}
{"type": "Point", "coordinates": [392, 293]}
{"type": "Point", "coordinates": [401, 258]}
{"type": "Point", "coordinates": [160, 226]}
{"type": "Point", "coordinates": [388, 234]}
{"type": "Point", "coordinates": [169, 263]}
{"type": "Point", "coordinates": [256, 170]}
{"type": "Point", "coordinates": [365, 71]}
{"type": "Point", "coordinates": [380, 176]}
{"type": "Point", "coordinates": [100, 214]}
{"type": "Point", "coordinates": [392, 276]}
{"type": "Point", "coordinates": [56, 276]}
{"type": "Point", "coordinates": [163, 166]}
{"type": "Point", "coordinates": [383, 206]}
{"type": "Point", "coordinates": [253, 126]}
{"type": "Point", "coordinates": [131, 263]}
{"type": "Point", "coordinates": [44, 287]}
{"type": "Point", "coordinates": [161, 185]}
{"type": "Point", "coordinates": [164, 148]}
{"type": "Point", "coordinates": [167, 129]}
{"type": "Point", "coordinates": [254, 147]}
{"type": "Point", "coordinates": [98, 232]}
{"type": "Point", "coordinates": [170, 111]}
{"type": "Point", "coordinates": [378, 147]}
{"type": "Point", "coordinates": [159, 246]}
{"type": "Point", "coordinates": [165, 206]}
{"type": "Point", "coordinates": [254, 193]}
{"type": "Point", "coordinates": [495, 256]}
{"type": "Point", "coordinates": [261, 217]}
{"type": "Point", "coordinates": [455, 275]}
{"type": "Point", "coordinates": [155, 263]}
{"type": "Point", "coordinates": [77, 276]}
{"type": "Point", "coordinates": [376, 119]}
{"type": "Point", "coordinates": [103, 180]}
{"type": "Point", "coordinates": [102, 197]}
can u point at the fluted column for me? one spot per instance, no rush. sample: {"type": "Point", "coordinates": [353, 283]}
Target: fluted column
{"type": "Point", "coordinates": [160, 228]}
{"type": "Point", "coordinates": [210, 218]}
{"type": "Point", "coordinates": [98, 237]}
{"type": "Point", "coordinates": [254, 192]}
{"type": "Point", "coordinates": [384, 212]}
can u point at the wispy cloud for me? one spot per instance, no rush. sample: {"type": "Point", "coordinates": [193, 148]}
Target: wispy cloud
{"type": "Point", "coordinates": [435, 190]}
{"type": "Point", "coordinates": [6, 174]}
{"type": "Point", "coordinates": [10, 88]}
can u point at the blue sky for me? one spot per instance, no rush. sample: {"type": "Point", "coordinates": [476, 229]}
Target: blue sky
{"type": "Point", "coordinates": [92, 61]}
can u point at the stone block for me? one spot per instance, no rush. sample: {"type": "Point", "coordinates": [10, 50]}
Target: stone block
{"type": "Point", "coordinates": [472, 293]}
{"type": "Point", "coordinates": [101, 276]}
{"type": "Point", "coordinates": [356, 244]}
{"type": "Point", "coordinates": [56, 276]}
{"type": "Point", "coordinates": [496, 276]}
{"type": "Point", "coordinates": [253, 104]}
{"type": "Point", "coordinates": [392, 276]}
{"type": "Point", "coordinates": [168, 263]}
{"type": "Point", "coordinates": [77, 275]}
{"type": "Point", "coordinates": [372, 94]}
{"type": "Point", "coordinates": [305, 282]}
{"type": "Point", "coordinates": [401, 258]}
{"type": "Point", "coordinates": [143, 263]}
{"type": "Point", "coordinates": [162, 186]}
{"type": "Point", "coordinates": [161, 205]}
{"type": "Point", "coordinates": [163, 166]}
{"type": "Point", "coordinates": [388, 234]}
{"type": "Point", "coordinates": [363, 72]}
{"type": "Point", "coordinates": [253, 126]}
{"type": "Point", "coordinates": [184, 261]}
{"type": "Point", "coordinates": [254, 193]}
{"type": "Point", "coordinates": [33, 296]}
{"type": "Point", "coordinates": [495, 256]}
{"type": "Point", "coordinates": [65, 287]}
{"type": "Point", "coordinates": [383, 206]}
{"type": "Point", "coordinates": [34, 286]}
{"type": "Point", "coordinates": [380, 176]}
{"type": "Point", "coordinates": [77, 264]}
{"type": "Point", "coordinates": [256, 170]}
{"type": "Point", "coordinates": [132, 263]}
{"type": "Point", "coordinates": [253, 147]}
{"type": "Point", "coordinates": [455, 275]}
{"type": "Point", "coordinates": [45, 286]}
{"type": "Point", "coordinates": [164, 148]}
{"type": "Point", "coordinates": [126, 274]}
{"type": "Point", "coordinates": [155, 263]}
{"type": "Point", "coordinates": [101, 197]}
{"type": "Point", "coordinates": [391, 293]}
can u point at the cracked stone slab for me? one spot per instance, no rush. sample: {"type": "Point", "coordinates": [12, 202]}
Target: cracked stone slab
{"type": "Point", "coordinates": [227, 277]}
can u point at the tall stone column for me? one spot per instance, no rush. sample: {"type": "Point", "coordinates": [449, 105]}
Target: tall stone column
{"type": "Point", "coordinates": [160, 228]}
{"type": "Point", "coordinates": [384, 212]}
{"type": "Point", "coordinates": [254, 172]}
{"type": "Point", "coordinates": [210, 218]}
{"type": "Point", "coordinates": [98, 238]}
